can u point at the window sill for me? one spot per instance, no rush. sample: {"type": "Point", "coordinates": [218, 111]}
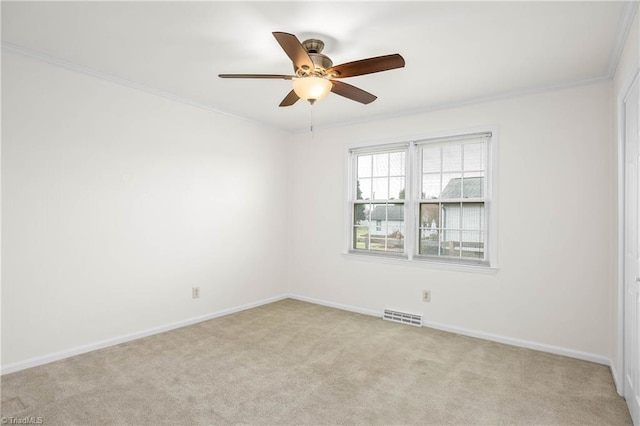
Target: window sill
{"type": "Point", "coordinates": [401, 259]}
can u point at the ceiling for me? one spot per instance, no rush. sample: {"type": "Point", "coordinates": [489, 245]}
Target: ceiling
{"type": "Point", "coordinates": [455, 52]}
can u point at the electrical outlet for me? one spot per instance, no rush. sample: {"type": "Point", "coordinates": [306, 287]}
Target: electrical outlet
{"type": "Point", "coordinates": [195, 292]}
{"type": "Point", "coordinates": [426, 296]}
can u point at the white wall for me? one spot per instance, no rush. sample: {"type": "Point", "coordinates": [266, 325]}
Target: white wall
{"type": "Point", "coordinates": [116, 202]}
{"type": "Point", "coordinates": [556, 224]}
{"type": "Point", "coordinates": [627, 68]}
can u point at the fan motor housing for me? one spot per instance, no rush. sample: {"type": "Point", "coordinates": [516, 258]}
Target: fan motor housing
{"type": "Point", "coordinates": [320, 61]}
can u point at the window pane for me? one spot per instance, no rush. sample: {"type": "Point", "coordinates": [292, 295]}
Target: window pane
{"type": "Point", "coordinates": [429, 242]}
{"type": "Point", "coordinates": [450, 235]}
{"type": "Point", "coordinates": [471, 236]}
{"type": "Point", "coordinates": [430, 232]}
{"type": "Point", "coordinates": [430, 186]}
{"type": "Point", "coordinates": [364, 166]}
{"type": "Point", "coordinates": [473, 185]}
{"type": "Point", "coordinates": [380, 188]}
{"type": "Point", "coordinates": [430, 160]}
{"type": "Point", "coordinates": [361, 238]}
{"type": "Point", "coordinates": [363, 189]}
{"type": "Point", "coordinates": [451, 216]}
{"type": "Point", "coordinates": [386, 228]}
{"type": "Point", "coordinates": [430, 216]}
{"type": "Point", "coordinates": [396, 164]}
{"type": "Point", "coordinates": [450, 242]}
{"type": "Point", "coordinates": [396, 188]}
{"type": "Point", "coordinates": [474, 156]}
{"type": "Point", "coordinates": [451, 185]}
{"type": "Point", "coordinates": [361, 214]}
{"type": "Point", "coordinates": [452, 158]}
{"type": "Point", "coordinates": [395, 238]}
{"type": "Point", "coordinates": [381, 164]}
{"type": "Point", "coordinates": [473, 216]}
{"type": "Point", "coordinates": [390, 212]}
{"type": "Point", "coordinates": [472, 244]}
{"type": "Point", "coordinates": [395, 227]}
{"type": "Point", "coordinates": [452, 230]}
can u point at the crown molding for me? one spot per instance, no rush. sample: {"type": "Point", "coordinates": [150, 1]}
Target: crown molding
{"type": "Point", "coordinates": [624, 26]}
{"type": "Point", "coordinates": [81, 69]}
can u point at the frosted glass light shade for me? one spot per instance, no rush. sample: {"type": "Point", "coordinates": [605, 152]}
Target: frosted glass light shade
{"type": "Point", "coordinates": [311, 88]}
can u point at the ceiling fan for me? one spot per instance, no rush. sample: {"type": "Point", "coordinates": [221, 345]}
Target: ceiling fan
{"type": "Point", "coordinates": [315, 76]}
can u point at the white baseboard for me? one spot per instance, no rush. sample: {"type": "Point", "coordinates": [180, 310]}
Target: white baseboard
{"type": "Point", "coordinates": [474, 333]}
{"type": "Point", "coordinates": [336, 305]}
{"type": "Point", "coordinates": [558, 350]}
{"type": "Point", "coordinates": [45, 359]}
{"type": "Point", "coordinates": [617, 380]}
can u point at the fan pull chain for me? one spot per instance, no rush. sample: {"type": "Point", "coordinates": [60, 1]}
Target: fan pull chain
{"type": "Point", "coordinates": [313, 133]}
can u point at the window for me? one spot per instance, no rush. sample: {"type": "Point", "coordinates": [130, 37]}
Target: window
{"type": "Point", "coordinates": [378, 207]}
{"type": "Point", "coordinates": [427, 200]}
{"type": "Point", "coordinates": [451, 220]}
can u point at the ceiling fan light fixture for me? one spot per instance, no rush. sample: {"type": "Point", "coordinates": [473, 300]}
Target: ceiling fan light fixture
{"type": "Point", "coordinates": [316, 76]}
{"type": "Point", "coordinates": [311, 88]}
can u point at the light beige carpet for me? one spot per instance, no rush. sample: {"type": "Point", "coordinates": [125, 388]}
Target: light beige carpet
{"type": "Point", "coordinates": [295, 363]}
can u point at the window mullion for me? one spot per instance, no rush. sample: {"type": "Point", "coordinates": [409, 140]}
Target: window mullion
{"type": "Point", "coordinates": [386, 212]}
{"type": "Point", "coordinates": [411, 174]}
{"type": "Point", "coordinates": [460, 228]}
{"type": "Point", "coordinates": [440, 227]}
{"type": "Point", "coordinates": [369, 220]}
{"type": "Point", "coordinates": [461, 174]}
{"type": "Point", "coordinates": [485, 231]}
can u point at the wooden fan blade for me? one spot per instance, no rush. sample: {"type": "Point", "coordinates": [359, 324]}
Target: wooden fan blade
{"type": "Point", "coordinates": [294, 50]}
{"type": "Point", "coordinates": [352, 92]}
{"type": "Point", "coordinates": [273, 76]}
{"type": "Point", "coordinates": [367, 66]}
{"type": "Point", "coordinates": [290, 99]}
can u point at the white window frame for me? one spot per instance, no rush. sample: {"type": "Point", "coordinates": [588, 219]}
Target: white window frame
{"type": "Point", "coordinates": [412, 202]}
{"type": "Point", "coordinates": [352, 171]}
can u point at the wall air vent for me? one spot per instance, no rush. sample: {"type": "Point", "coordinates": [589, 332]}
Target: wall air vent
{"type": "Point", "coordinates": [402, 317]}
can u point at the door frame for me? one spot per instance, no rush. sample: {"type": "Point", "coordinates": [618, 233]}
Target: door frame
{"type": "Point", "coordinates": [617, 365]}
